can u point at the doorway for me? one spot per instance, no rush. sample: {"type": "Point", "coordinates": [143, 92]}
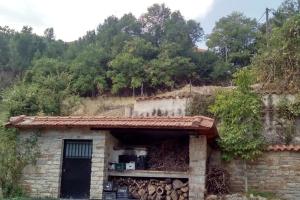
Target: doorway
{"type": "Point", "coordinates": [76, 169]}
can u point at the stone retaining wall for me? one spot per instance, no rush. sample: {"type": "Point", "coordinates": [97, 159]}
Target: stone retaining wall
{"type": "Point", "coordinates": [276, 172]}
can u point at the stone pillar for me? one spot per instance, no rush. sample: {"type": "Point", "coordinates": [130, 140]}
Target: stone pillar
{"type": "Point", "coordinates": [197, 170]}
{"type": "Point", "coordinates": [97, 173]}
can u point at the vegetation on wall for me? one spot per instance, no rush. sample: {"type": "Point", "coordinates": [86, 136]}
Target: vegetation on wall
{"type": "Point", "coordinates": [14, 156]}
{"type": "Point", "coordinates": [199, 105]}
{"type": "Point", "coordinates": [239, 111]}
{"type": "Point", "coordinates": [287, 112]}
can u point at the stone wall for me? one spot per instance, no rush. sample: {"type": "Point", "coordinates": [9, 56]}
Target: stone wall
{"type": "Point", "coordinates": [161, 107]}
{"type": "Point", "coordinates": [273, 132]}
{"type": "Point", "coordinates": [43, 179]}
{"type": "Point", "coordinates": [276, 172]}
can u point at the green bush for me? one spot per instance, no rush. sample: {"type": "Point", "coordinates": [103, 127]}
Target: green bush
{"type": "Point", "coordinates": [239, 111]}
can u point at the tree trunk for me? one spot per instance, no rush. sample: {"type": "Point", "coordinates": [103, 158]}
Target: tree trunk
{"type": "Point", "coordinates": [245, 176]}
{"type": "Point", "coordinates": [142, 89]}
{"type": "Point", "coordinates": [1, 193]}
{"type": "Point", "coordinates": [133, 93]}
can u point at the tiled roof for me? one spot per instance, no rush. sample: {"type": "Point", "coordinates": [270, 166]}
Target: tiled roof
{"type": "Point", "coordinates": [162, 97]}
{"type": "Point", "coordinates": [282, 147]}
{"type": "Point", "coordinates": [200, 124]}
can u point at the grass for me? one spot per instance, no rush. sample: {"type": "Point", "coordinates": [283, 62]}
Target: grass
{"type": "Point", "coordinates": [268, 195]}
{"type": "Point", "coordinates": [109, 106]}
{"type": "Point", "coordinates": [3, 113]}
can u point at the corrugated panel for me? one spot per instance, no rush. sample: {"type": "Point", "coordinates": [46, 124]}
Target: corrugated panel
{"type": "Point", "coordinates": [78, 149]}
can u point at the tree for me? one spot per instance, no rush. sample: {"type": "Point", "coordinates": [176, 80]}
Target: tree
{"type": "Point", "coordinates": [277, 62]}
{"type": "Point", "coordinates": [180, 31]}
{"type": "Point", "coordinates": [126, 70]}
{"type": "Point", "coordinates": [287, 9]}
{"type": "Point", "coordinates": [88, 72]}
{"type": "Point", "coordinates": [233, 38]}
{"type": "Point", "coordinates": [170, 68]}
{"type": "Point", "coordinates": [153, 22]}
{"type": "Point", "coordinates": [49, 34]}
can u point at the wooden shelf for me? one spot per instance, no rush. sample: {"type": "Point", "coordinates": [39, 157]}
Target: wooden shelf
{"type": "Point", "coordinates": [149, 174]}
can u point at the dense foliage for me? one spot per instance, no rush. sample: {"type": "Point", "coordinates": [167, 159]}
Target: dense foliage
{"type": "Point", "coordinates": [278, 60]}
{"type": "Point", "coordinates": [14, 155]}
{"type": "Point", "coordinates": [126, 55]}
{"type": "Point", "coordinates": [233, 38]}
{"type": "Point", "coordinates": [239, 111]}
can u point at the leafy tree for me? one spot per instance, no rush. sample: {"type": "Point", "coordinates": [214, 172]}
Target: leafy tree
{"type": "Point", "coordinates": [126, 71]}
{"type": "Point", "coordinates": [170, 68]}
{"type": "Point", "coordinates": [49, 34]}
{"type": "Point", "coordinates": [153, 22]}
{"type": "Point", "coordinates": [178, 30]}
{"type": "Point", "coordinates": [233, 38]}
{"type": "Point", "coordinates": [88, 72]}
{"type": "Point", "coordinates": [287, 9]}
{"type": "Point", "coordinates": [22, 100]}
{"type": "Point", "coordinates": [239, 111]}
{"type": "Point", "coordinates": [210, 69]}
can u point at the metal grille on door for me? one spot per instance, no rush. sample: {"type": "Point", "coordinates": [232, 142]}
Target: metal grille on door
{"type": "Point", "coordinates": [78, 149]}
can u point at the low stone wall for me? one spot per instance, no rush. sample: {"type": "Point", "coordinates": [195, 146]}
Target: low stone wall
{"type": "Point", "coordinates": [276, 172]}
{"type": "Point", "coordinates": [43, 179]}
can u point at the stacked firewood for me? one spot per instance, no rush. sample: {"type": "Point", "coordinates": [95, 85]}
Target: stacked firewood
{"type": "Point", "coordinates": [153, 189]}
{"type": "Point", "coordinates": [217, 180]}
{"type": "Point", "coordinates": [171, 155]}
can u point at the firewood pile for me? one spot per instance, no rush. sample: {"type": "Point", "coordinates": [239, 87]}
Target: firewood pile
{"type": "Point", "coordinates": [169, 155]}
{"type": "Point", "coordinates": [217, 180]}
{"type": "Point", "coordinates": [153, 189]}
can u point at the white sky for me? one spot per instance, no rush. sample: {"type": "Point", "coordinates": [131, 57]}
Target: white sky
{"type": "Point", "coordinates": [72, 18]}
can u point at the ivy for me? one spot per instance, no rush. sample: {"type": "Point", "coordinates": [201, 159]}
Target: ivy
{"type": "Point", "coordinates": [239, 111]}
{"type": "Point", "coordinates": [15, 154]}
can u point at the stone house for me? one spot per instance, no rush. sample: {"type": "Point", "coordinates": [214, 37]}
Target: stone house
{"type": "Point", "coordinates": [76, 152]}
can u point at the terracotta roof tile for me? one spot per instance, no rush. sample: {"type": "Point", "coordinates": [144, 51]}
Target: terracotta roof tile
{"type": "Point", "coordinates": [200, 124]}
{"type": "Point", "coordinates": [282, 147]}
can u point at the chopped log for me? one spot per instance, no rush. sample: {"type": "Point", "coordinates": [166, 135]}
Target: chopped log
{"type": "Point", "coordinates": [184, 189]}
{"type": "Point", "coordinates": [141, 192]}
{"type": "Point", "coordinates": [177, 184]}
{"type": "Point", "coordinates": [181, 197]}
{"type": "Point", "coordinates": [151, 189]}
{"type": "Point", "coordinates": [160, 190]}
{"type": "Point", "coordinates": [168, 187]}
{"type": "Point", "coordinates": [174, 195]}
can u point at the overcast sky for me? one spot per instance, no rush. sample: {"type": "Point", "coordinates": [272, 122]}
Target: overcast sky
{"type": "Point", "coordinates": [72, 18]}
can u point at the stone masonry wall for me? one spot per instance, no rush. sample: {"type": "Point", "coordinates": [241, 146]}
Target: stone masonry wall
{"type": "Point", "coordinates": [43, 179]}
{"type": "Point", "coordinates": [276, 172]}
{"type": "Point", "coordinates": [198, 155]}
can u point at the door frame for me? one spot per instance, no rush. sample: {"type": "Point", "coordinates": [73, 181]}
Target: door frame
{"type": "Point", "coordinates": [63, 152]}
